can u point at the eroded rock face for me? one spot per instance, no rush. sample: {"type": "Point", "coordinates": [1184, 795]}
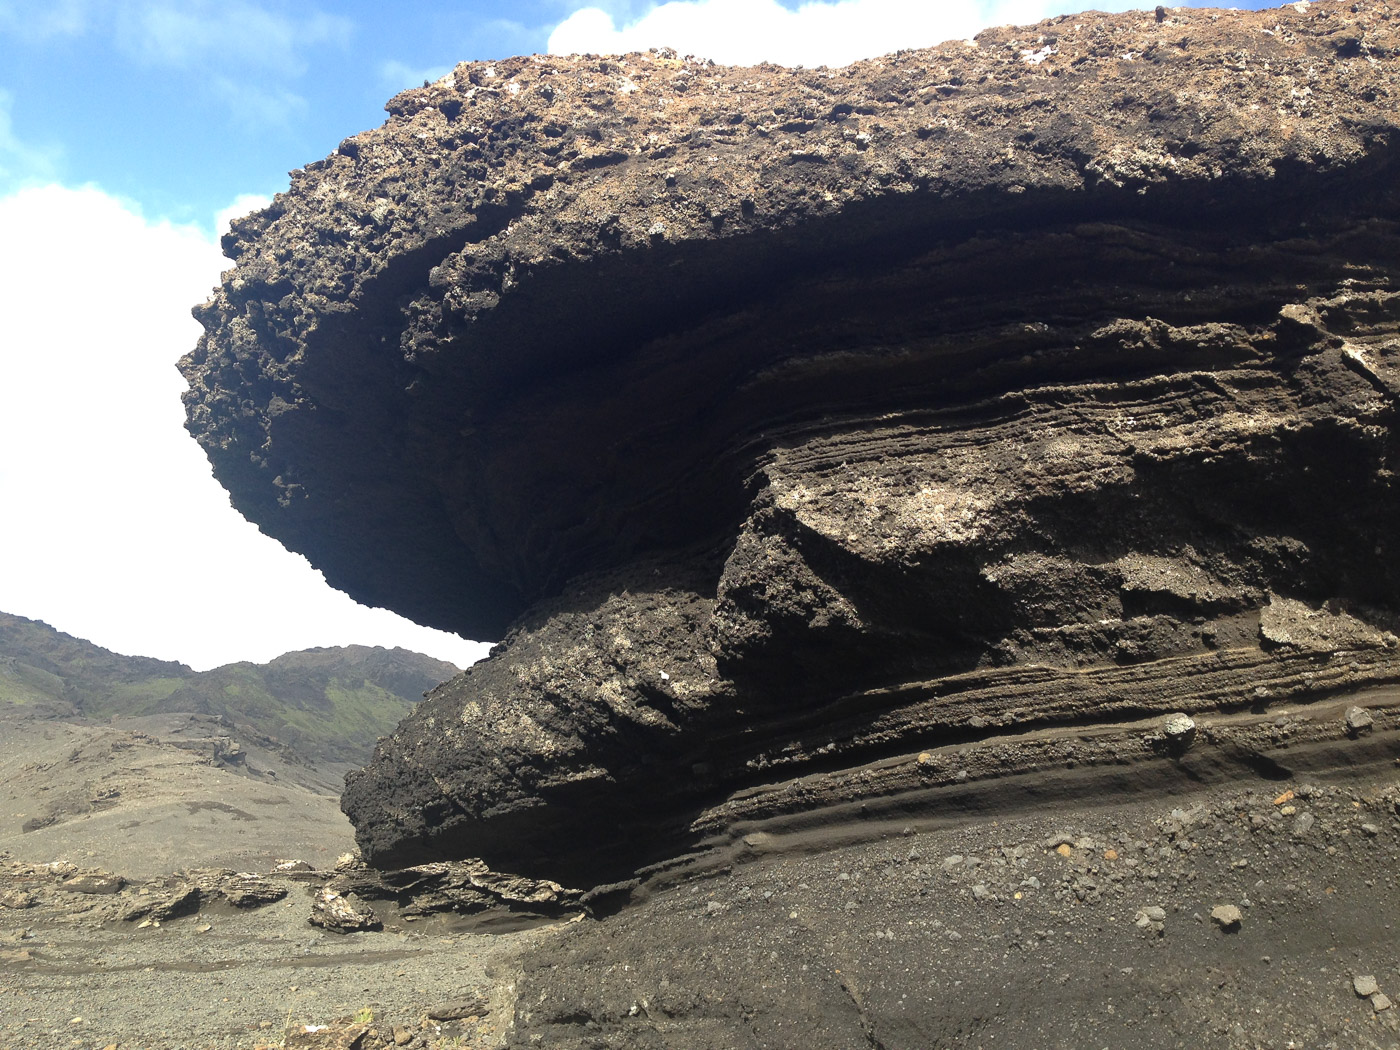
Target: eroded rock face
{"type": "Point", "coordinates": [798, 419]}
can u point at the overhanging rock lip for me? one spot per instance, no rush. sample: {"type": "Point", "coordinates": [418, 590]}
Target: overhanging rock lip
{"type": "Point", "coordinates": [376, 310]}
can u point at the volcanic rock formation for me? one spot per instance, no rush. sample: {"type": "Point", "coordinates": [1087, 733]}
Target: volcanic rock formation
{"type": "Point", "coordinates": [790, 424]}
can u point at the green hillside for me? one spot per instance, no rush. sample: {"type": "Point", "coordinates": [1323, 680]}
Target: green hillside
{"type": "Point", "coordinates": [326, 704]}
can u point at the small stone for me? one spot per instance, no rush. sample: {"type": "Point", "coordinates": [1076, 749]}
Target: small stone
{"type": "Point", "coordinates": [99, 883]}
{"type": "Point", "coordinates": [1064, 838]}
{"type": "Point", "coordinates": [1180, 730]}
{"type": "Point", "coordinates": [339, 1035]}
{"type": "Point", "coordinates": [1155, 914]}
{"type": "Point", "coordinates": [1064, 849]}
{"type": "Point", "coordinates": [402, 1036]}
{"type": "Point", "coordinates": [953, 862]}
{"type": "Point", "coordinates": [246, 890]}
{"type": "Point", "coordinates": [1303, 823]}
{"type": "Point", "coordinates": [1226, 916]}
{"type": "Point", "coordinates": [1359, 721]}
{"type": "Point", "coordinates": [1110, 854]}
{"type": "Point", "coordinates": [1365, 985]}
{"type": "Point", "coordinates": [339, 914]}
{"type": "Point", "coordinates": [1380, 1001]}
{"type": "Point", "coordinates": [476, 1006]}
{"type": "Point", "coordinates": [1371, 829]}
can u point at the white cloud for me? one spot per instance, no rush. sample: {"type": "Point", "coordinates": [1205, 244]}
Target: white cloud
{"type": "Point", "coordinates": [113, 526]}
{"type": "Point", "coordinates": [745, 32]}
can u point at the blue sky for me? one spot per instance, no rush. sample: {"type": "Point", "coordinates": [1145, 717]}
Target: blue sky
{"type": "Point", "coordinates": [129, 131]}
{"type": "Point", "coordinates": [184, 106]}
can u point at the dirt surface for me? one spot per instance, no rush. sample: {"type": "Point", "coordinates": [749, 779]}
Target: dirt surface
{"type": "Point", "coordinates": [145, 797]}
{"type": "Point", "coordinates": [1017, 918]}
{"type": "Point", "coordinates": [159, 878]}
{"type": "Point", "coordinates": [228, 978]}
{"type": "Point", "coordinates": [1059, 926]}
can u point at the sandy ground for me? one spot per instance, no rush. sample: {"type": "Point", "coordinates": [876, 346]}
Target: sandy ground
{"type": "Point", "coordinates": [1065, 927]}
{"type": "Point", "coordinates": [239, 979]}
{"type": "Point", "coordinates": [145, 797]}
{"type": "Point", "coordinates": [1038, 918]}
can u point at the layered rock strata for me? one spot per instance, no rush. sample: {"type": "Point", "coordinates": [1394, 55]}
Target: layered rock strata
{"type": "Point", "coordinates": [787, 422]}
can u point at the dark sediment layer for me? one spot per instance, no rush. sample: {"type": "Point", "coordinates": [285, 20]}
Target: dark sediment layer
{"type": "Point", "coordinates": [793, 422]}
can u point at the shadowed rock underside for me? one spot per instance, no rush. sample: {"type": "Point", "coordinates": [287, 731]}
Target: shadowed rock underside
{"type": "Point", "coordinates": [794, 425]}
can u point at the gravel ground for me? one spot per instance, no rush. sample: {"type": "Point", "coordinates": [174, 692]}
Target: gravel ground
{"type": "Point", "coordinates": [1138, 911]}
{"type": "Point", "coordinates": [1056, 926]}
{"type": "Point", "coordinates": [1235, 918]}
{"type": "Point", "coordinates": [227, 978]}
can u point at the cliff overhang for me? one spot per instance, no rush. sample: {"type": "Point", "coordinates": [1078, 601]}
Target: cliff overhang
{"type": "Point", "coordinates": [784, 421]}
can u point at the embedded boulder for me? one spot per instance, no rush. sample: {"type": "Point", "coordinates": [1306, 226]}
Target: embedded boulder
{"type": "Point", "coordinates": [786, 421]}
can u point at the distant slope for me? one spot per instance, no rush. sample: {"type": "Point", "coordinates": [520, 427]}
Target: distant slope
{"type": "Point", "coordinates": [328, 705]}
{"type": "Point", "coordinates": [41, 665]}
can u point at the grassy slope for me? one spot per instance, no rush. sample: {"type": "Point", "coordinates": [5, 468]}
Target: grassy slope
{"type": "Point", "coordinates": [326, 704]}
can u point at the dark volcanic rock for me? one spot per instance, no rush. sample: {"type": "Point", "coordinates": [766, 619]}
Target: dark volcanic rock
{"type": "Point", "coordinates": [800, 420]}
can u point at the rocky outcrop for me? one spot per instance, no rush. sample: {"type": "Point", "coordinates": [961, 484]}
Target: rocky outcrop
{"type": "Point", "coordinates": [791, 422]}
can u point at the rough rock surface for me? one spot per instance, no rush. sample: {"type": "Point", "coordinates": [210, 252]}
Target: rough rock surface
{"type": "Point", "coordinates": [801, 423]}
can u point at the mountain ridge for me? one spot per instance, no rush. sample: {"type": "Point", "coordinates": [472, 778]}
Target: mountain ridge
{"type": "Point", "coordinates": [328, 704]}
